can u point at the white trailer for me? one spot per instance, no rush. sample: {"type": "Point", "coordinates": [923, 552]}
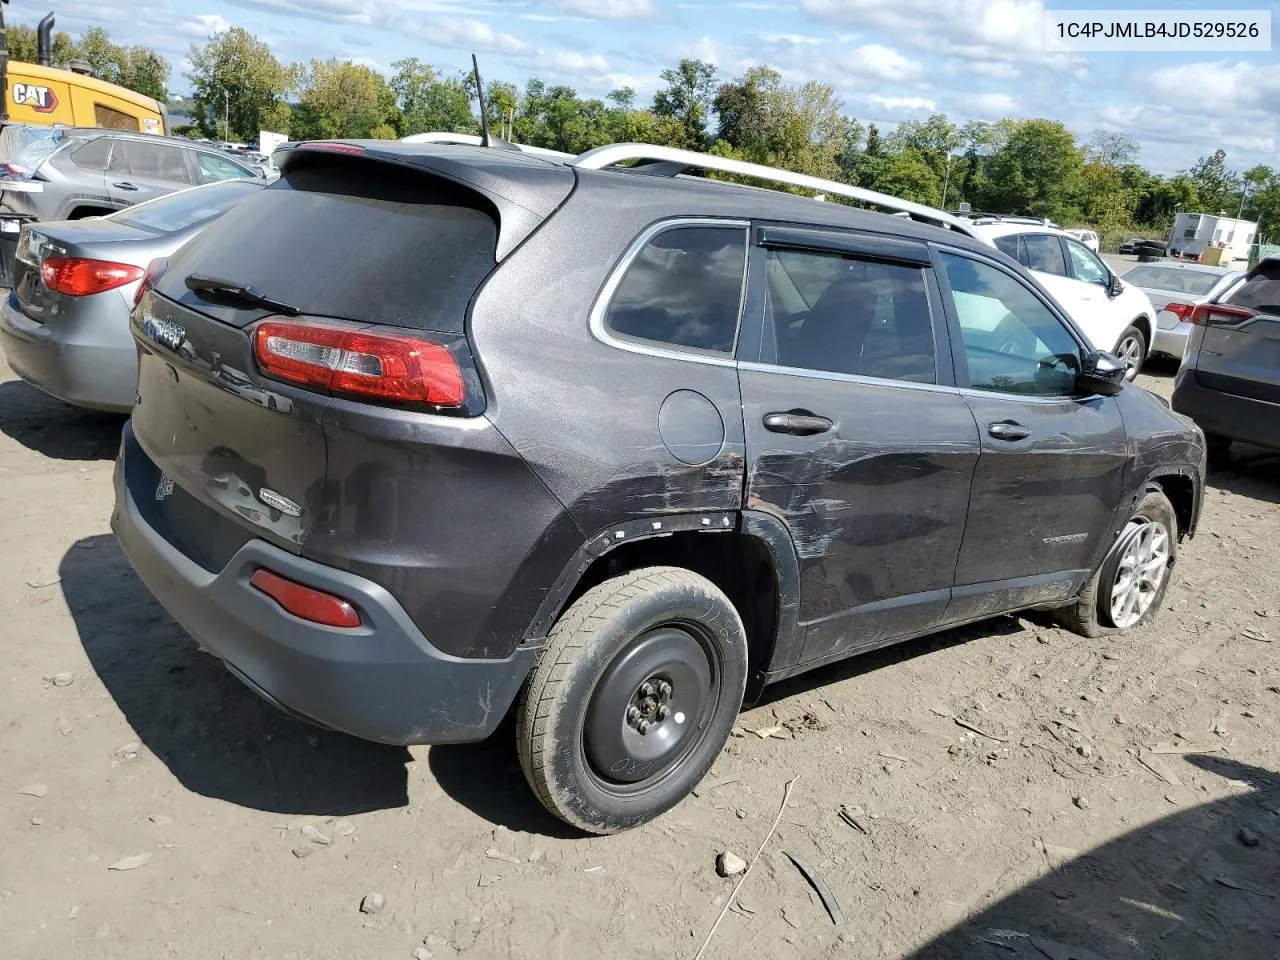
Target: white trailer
{"type": "Point", "coordinates": [1193, 233]}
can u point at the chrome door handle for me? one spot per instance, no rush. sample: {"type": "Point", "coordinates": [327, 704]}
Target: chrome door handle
{"type": "Point", "coordinates": [1008, 430]}
{"type": "Point", "coordinates": [802, 423]}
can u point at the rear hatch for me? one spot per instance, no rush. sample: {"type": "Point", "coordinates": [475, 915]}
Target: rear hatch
{"type": "Point", "coordinates": [367, 249]}
{"type": "Point", "coordinates": [1240, 350]}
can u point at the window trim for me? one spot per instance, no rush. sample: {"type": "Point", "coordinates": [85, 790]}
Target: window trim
{"type": "Point", "coordinates": [655, 348]}
{"type": "Point", "coordinates": [961, 363]}
{"type": "Point", "coordinates": [842, 245]}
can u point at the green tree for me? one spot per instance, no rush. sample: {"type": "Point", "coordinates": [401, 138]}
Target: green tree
{"type": "Point", "coordinates": [24, 46]}
{"type": "Point", "coordinates": [1036, 171]}
{"type": "Point", "coordinates": [1216, 186]}
{"type": "Point", "coordinates": [428, 101]}
{"type": "Point", "coordinates": [687, 97]}
{"type": "Point", "coordinates": [236, 73]}
{"type": "Point", "coordinates": [341, 99]}
{"type": "Point", "coordinates": [146, 71]}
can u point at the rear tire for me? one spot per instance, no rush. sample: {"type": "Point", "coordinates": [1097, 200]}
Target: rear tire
{"type": "Point", "coordinates": [1094, 614]}
{"type": "Point", "coordinates": [1131, 347]}
{"type": "Point", "coordinates": [633, 699]}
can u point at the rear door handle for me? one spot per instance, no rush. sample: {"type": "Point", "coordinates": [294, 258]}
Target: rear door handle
{"type": "Point", "coordinates": [125, 185]}
{"type": "Point", "coordinates": [1008, 430]}
{"type": "Point", "coordinates": [802, 423]}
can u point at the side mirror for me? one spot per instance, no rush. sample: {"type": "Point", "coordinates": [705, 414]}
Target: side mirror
{"type": "Point", "coordinates": [1115, 287]}
{"type": "Point", "coordinates": [1103, 374]}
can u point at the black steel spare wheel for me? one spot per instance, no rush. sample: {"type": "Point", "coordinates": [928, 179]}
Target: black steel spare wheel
{"type": "Point", "coordinates": [633, 698]}
{"type": "Point", "coordinates": [649, 705]}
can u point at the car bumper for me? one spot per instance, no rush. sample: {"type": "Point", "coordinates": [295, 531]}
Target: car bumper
{"type": "Point", "coordinates": [381, 681]}
{"type": "Point", "coordinates": [1227, 415]}
{"type": "Point", "coordinates": [87, 360]}
{"type": "Point", "coordinates": [1171, 341]}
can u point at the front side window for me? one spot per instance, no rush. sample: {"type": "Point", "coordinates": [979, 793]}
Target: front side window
{"type": "Point", "coordinates": [1044, 253]}
{"type": "Point", "coordinates": [1013, 343]}
{"type": "Point", "coordinates": [1086, 266]}
{"type": "Point", "coordinates": [684, 289]}
{"type": "Point", "coordinates": [839, 314]}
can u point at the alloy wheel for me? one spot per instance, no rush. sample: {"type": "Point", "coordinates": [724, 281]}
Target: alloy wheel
{"type": "Point", "coordinates": [1142, 569]}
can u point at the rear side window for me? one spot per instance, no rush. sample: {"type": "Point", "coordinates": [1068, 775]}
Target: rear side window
{"type": "Point", "coordinates": [1044, 253]}
{"type": "Point", "coordinates": [214, 168]}
{"type": "Point", "coordinates": [353, 240]}
{"type": "Point", "coordinates": [156, 161]}
{"type": "Point", "coordinates": [684, 288]}
{"type": "Point", "coordinates": [1009, 247]}
{"type": "Point", "coordinates": [94, 154]}
{"type": "Point", "coordinates": [842, 315]}
{"type": "Point", "coordinates": [1261, 290]}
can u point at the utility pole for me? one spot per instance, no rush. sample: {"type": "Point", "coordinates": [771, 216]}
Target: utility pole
{"type": "Point", "coordinates": [946, 181]}
{"type": "Point", "coordinates": [226, 115]}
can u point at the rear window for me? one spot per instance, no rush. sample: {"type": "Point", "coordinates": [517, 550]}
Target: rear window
{"type": "Point", "coordinates": [187, 208]}
{"type": "Point", "coordinates": [1261, 289]}
{"type": "Point", "coordinates": [354, 241]}
{"type": "Point", "coordinates": [684, 289]}
{"type": "Point", "coordinates": [1195, 283]}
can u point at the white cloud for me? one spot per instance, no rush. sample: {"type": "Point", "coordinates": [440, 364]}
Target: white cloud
{"type": "Point", "coordinates": [902, 103]}
{"type": "Point", "coordinates": [991, 106]}
{"type": "Point", "coordinates": [974, 29]}
{"type": "Point", "coordinates": [610, 9]}
{"type": "Point", "coordinates": [795, 39]}
{"type": "Point", "coordinates": [202, 26]}
{"type": "Point", "coordinates": [881, 63]}
{"type": "Point", "coordinates": [469, 35]}
{"type": "Point", "coordinates": [571, 62]}
{"type": "Point", "coordinates": [992, 69]}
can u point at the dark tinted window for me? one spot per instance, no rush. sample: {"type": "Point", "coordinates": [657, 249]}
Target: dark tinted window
{"type": "Point", "coordinates": [684, 288]}
{"type": "Point", "coordinates": [187, 208]}
{"type": "Point", "coordinates": [1044, 253]}
{"type": "Point", "coordinates": [843, 315]}
{"type": "Point", "coordinates": [352, 240]}
{"type": "Point", "coordinates": [156, 161]}
{"type": "Point", "coordinates": [1261, 291]}
{"type": "Point", "coordinates": [1012, 342]}
{"type": "Point", "coordinates": [94, 154]}
{"type": "Point", "coordinates": [1008, 245]}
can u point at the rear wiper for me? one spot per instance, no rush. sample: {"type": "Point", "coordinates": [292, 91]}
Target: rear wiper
{"type": "Point", "coordinates": [230, 290]}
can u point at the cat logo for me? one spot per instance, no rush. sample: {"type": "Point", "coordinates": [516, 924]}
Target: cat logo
{"type": "Point", "coordinates": [40, 99]}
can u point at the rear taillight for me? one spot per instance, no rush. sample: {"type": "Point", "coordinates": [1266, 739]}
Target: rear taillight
{"type": "Point", "coordinates": [154, 270]}
{"type": "Point", "coordinates": [306, 602]}
{"type": "Point", "coordinates": [393, 368]}
{"type": "Point", "coordinates": [79, 277]}
{"type": "Point", "coordinates": [1220, 314]}
{"type": "Point", "coordinates": [1182, 311]}
{"type": "Point", "coordinates": [15, 170]}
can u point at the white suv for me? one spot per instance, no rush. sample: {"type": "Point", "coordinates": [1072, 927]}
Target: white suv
{"type": "Point", "coordinates": [1114, 315]}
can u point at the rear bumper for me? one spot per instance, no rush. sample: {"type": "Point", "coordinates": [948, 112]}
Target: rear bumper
{"type": "Point", "coordinates": [382, 681]}
{"type": "Point", "coordinates": [1239, 418]}
{"type": "Point", "coordinates": [85, 361]}
{"type": "Point", "coordinates": [1171, 340]}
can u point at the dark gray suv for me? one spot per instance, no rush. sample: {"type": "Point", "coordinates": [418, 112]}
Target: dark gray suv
{"type": "Point", "coordinates": [615, 445]}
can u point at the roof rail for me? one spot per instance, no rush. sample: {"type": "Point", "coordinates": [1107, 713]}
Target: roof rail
{"type": "Point", "coordinates": [471, 140]}
{"type": "Point", "coordinates": [669, 161]}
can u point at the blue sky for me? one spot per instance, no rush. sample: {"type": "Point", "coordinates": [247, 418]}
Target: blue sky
{"type": "Point", "coordinates": [889, 60]}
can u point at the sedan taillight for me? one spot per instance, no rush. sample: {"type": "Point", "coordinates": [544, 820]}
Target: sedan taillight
{"type": "Point", "coordinates": [352, 362]}
{"type": "Point", "coordinates": [1220, 314]}
{"type": "Point", "coordinates": [80, 277]}
{"type": "Point", "coordinates": [1182, 311]}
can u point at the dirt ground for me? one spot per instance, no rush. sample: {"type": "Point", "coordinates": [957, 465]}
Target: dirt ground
{"type": "Point", "coordinates": [1074, 819]}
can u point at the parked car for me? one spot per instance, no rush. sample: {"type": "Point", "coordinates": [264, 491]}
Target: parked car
{"type": "Point", "coordinates": [620, 446]}
{"type": "Point", "coordinates": [67, 173]}
{"type": "Point", "coordinates": [1130, 246]}
{"type": "Point", "coordinates": [1175, 289]}
{"type": "Point", "coordinates": [1113, 315]}
{"type": "Point", "coordinates": [1229, 381]}
{"type": "Point", "coordinates": [65, 325]}
{"type": "Point", "coordinates": [1088, 237]}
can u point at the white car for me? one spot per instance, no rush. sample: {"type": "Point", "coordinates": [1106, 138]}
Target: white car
{"type": "Point", "coordinates": [1085, 236]}
{"type": "Point", "coordinates": [1114, 315]}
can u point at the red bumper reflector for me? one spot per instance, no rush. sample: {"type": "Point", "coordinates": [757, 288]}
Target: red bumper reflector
{"type": "Point", "coordinates": [306, 602]}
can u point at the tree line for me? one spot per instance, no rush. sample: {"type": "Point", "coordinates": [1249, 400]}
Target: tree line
{"type": "Point", "coordinates": [1035, 167]}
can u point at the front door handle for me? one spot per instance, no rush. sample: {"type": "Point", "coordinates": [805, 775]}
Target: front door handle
{"type": "Point", "coordinates": [1008, 430]}
{"type": "Point", "coordinates": [124, 185]}
{"type": "Point", "coordinates": [802, 423]}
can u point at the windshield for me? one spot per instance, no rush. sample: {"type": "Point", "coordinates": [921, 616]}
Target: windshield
{"type": "Point", "coordinates": [1195, 283]}
{"type": "Point", "coordinates": [23, 148]}
{"type": "Point", "coordinates": [187, 208]}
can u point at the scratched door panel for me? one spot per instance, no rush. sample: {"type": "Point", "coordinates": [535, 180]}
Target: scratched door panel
{"type": "Point", "coordinates": [875, 505]}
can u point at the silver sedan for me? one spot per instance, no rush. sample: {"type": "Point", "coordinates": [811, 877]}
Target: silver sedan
{"type": "Point", "coordinates": [65, 325]}
{"type": "Point", "coordinates": [1175, 289]}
